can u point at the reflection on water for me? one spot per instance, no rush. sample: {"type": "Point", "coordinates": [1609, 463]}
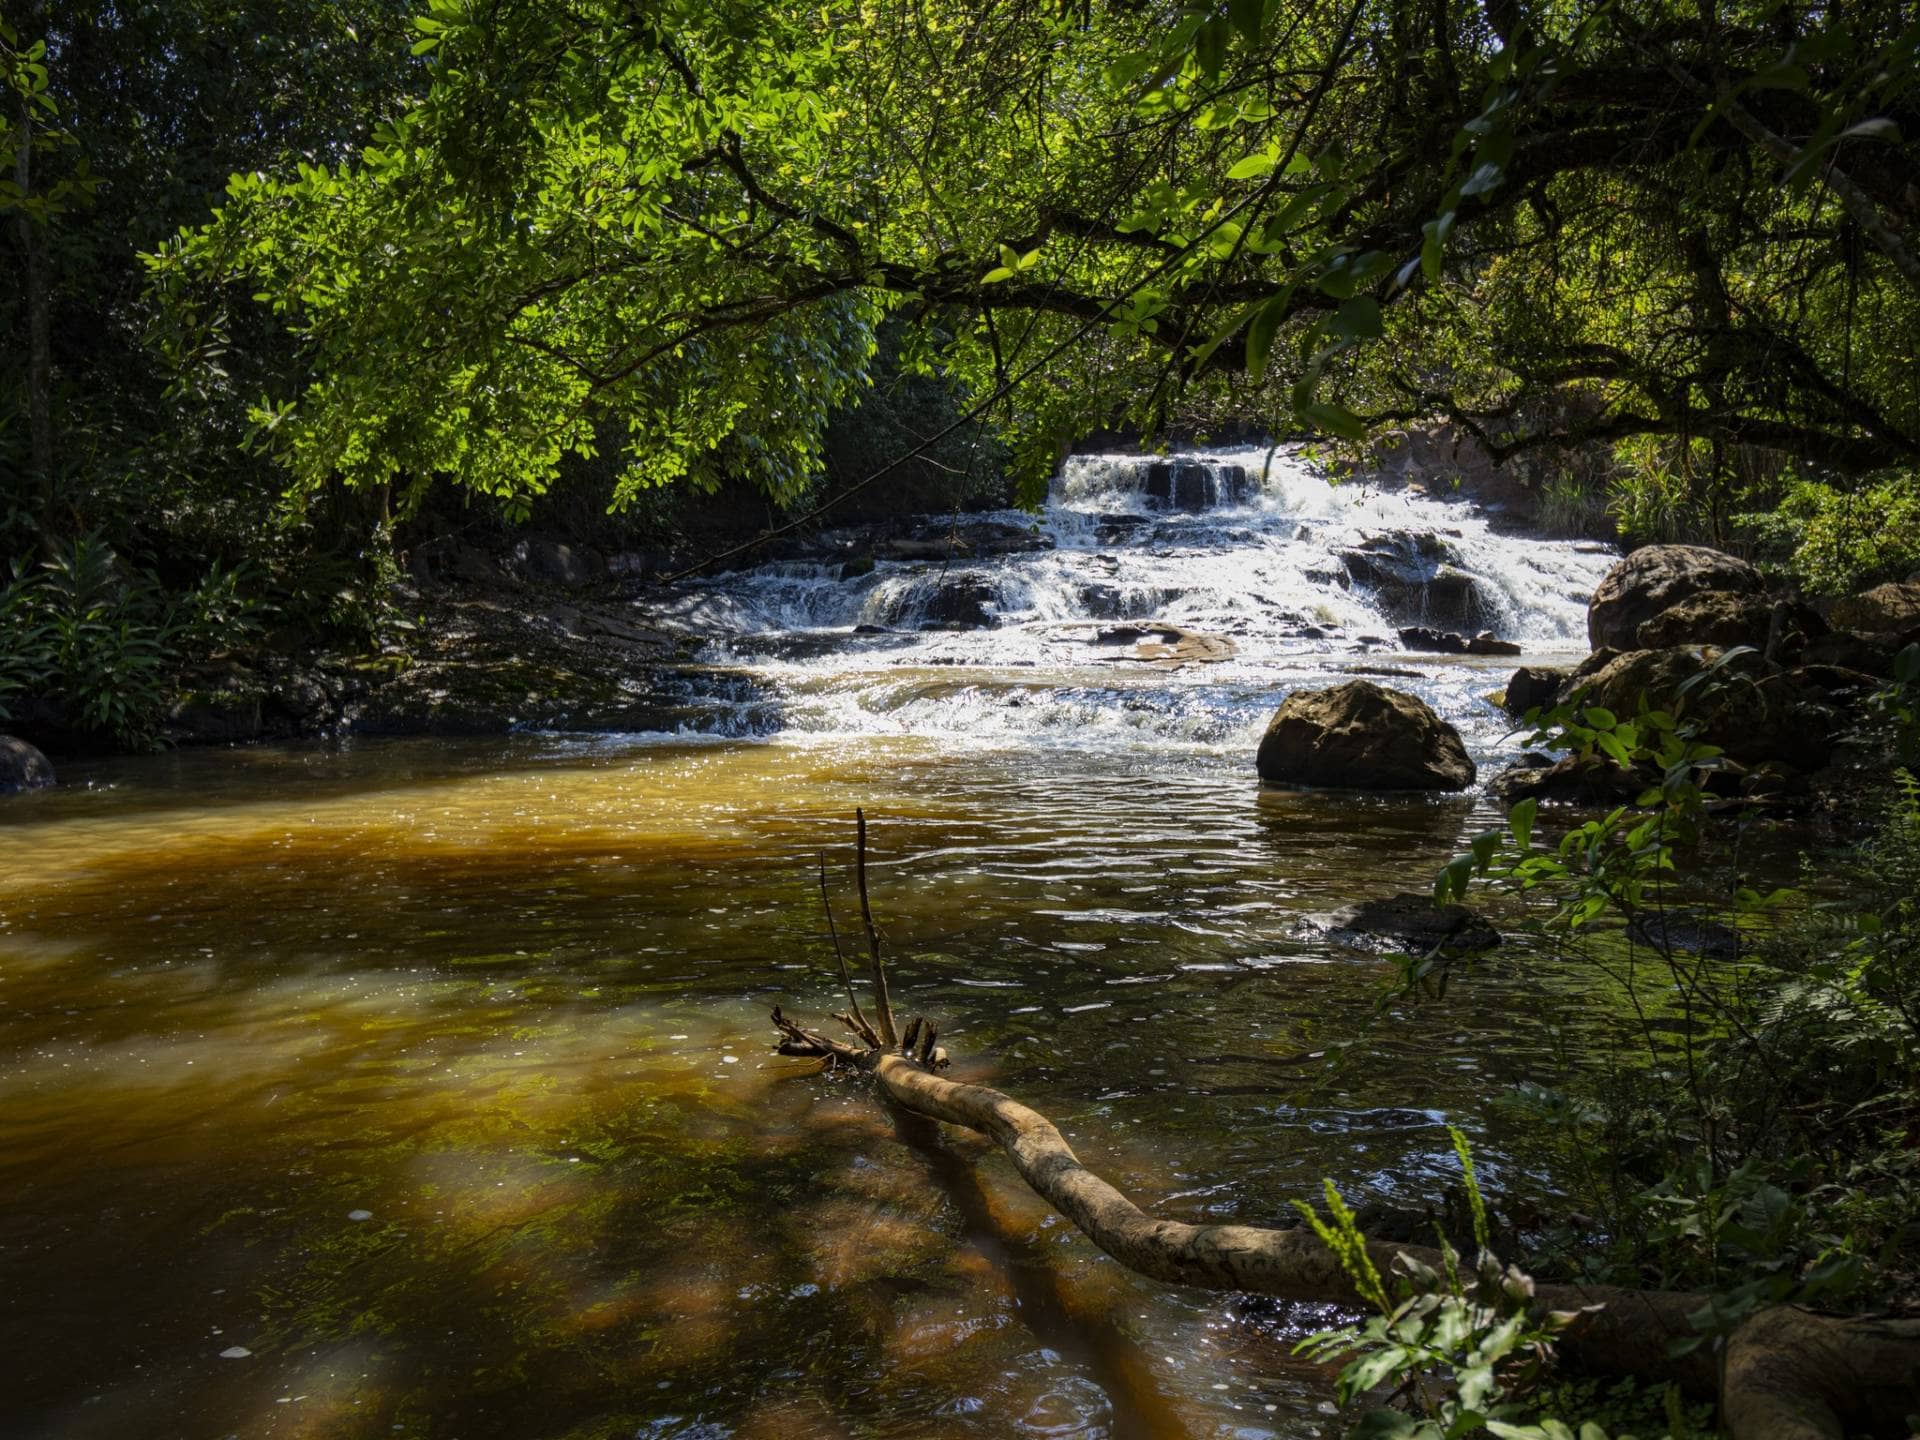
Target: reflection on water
{"type": "Point", "coordinates": [423, 1089]}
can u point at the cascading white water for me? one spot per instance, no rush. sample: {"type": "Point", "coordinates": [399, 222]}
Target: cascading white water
{"type": "Point", "coordinates": [1308, 579]}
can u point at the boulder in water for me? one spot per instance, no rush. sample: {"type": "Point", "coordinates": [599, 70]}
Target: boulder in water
{"type": "Point", "coordinates": [1362, 736]}
{"type": "Point", "coordinates": [1488, 643]}
{"type": "Point", "coordinates": [1532, 686]}
{"type": "Point", "coordinates": [1654, 579]}
{"type": "Point", "coordinates": [1412, 581]}
{"type": "Point", "coordinates": [1754, 711]}
{"type": "Point", "coordinates": [22, 767]}
{"type": "Point", "coordinates": [1411, 924]}
{"type": "Point", "coordinates": [1436, 642]}
{"type": "Point", "coordinates": [962, 602]}
{"type": "Point", "coordinates": [957, 600]}
{"type": "Point", "coordinates": [1447, 642]}
{"type": "Point", "coordinates": [1572, 780]}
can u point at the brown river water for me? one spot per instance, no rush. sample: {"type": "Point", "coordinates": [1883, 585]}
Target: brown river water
{"type": "Point", "coordinates": [424, 1088]}
{"type": "Point", "coordinates": [436, 1077]}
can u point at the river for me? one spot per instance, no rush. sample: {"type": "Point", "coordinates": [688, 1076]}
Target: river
{"type": "Point", "coordinates": [423, 1088]}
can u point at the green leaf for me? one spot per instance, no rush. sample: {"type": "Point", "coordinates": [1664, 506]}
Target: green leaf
{"type": "Point", "coordinates": [1253, 167]}
{"type": "Point", "coordinates": [1334, 419]}
{"type": "Point", "coordinates": [1248, 17]}
{"type": "Point", "coordinates": [1210, 46]}
{"type": "Point", "coordinates": [996, 275]}
{"type": "Point", "coordinates": [1520, 821]}
{"type": "Point", "coordinates": [1484, 178]}
{"type": "Point", "coordinates": [1358, 319]}
{"type": "Point", "coordinates": [1260, 333]}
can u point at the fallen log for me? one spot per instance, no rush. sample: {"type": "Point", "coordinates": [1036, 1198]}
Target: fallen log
{"type": "Point", "coordinates": [1787, 1373]}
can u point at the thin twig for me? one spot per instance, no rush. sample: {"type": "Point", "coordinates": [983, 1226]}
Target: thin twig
{"type": "Point", "coordinates": [882, 1005]}
{"type": "Point", "coordinates": [857, 1021]}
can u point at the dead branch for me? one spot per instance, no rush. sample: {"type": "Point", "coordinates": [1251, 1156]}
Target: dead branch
{"type": "Point", "coordinates": [1786, 1374]}
{"type": "Point", "coordinates": [883, 1006]}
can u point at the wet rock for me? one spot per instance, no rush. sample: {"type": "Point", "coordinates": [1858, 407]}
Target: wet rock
{"type": "Point", "coordinates": [1410, 578]}
{"type": "Point", "coordinates": [22, 767]}
{"type": "Point", "coordinates": [858, 566]}
{"type": "Point", "coordinates": [1167, 646]}
{"type": "Point", "coordinates": [958, 600]}
{"type": "Point", "coordinates": [1194, 485]}
{"type": "Point", "coordinates": [1411, 924]}
{"type": "Point", "coordinates": [1891, 609]}
{"type": "Point", "coordinates": [964, 601]}
{"type": "Point", "coordinates": [1690, 931]}
{"type": "Point", "coordinates": [1438, 642]}
{"type": "Point", "coordinates": [1487, 643]}
{"type": "Point", "coordinates": [1102, 601]}
{"type": "Point", "coordinates": [1573, 780]}
{"type": "Point", "coordinates": [1362, 736]}
{"type": "Point", "coordinates": [1530, 687]}
{"type": "Point", "coordinates": [1655, 579]}
{"type": "Point", "coordinates": [573, 567]}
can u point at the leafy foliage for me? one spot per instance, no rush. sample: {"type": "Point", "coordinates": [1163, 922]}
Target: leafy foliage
{"type": "Point", "coordinates": [689, 218]}
{"type": "Point", "coordinates": [1462, 1350]}
{"type": "Point", "coordinates": [104, 646]}
{"type": "Point", "coordinates": [1755, 1143]}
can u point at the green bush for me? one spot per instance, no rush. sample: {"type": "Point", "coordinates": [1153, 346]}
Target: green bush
{"type": "Point", "coordinates": [103, 644]}
{"type": "Point", "coordinates": [1835, 542]}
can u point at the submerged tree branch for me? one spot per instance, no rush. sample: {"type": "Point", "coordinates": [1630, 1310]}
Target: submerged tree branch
{"type": "Point", "coordinates": [1785, 1374]}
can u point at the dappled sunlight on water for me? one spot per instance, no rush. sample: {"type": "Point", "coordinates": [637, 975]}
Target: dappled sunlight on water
{"type": "Point", "coordinates": [434, 1077]}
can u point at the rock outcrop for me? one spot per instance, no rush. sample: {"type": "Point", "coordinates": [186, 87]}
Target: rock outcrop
{"type": "Point", "coordinates": [1656, 579]}
{"type": "Point", "coordinates": [1730, 617]}
{"type": "Point", "coordinates": [1362, 736]}
{"type": "Point", "coordinates": [1413, 580]}
{"type": "Point", "coordinates": [1891, 609]}
{"type": "Point", "coordinates": [22, 767]}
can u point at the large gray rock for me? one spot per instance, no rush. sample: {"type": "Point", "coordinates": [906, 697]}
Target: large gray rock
{"type": "Point", "coordinates": [22, 767]}
{"type": "Point", "coordinates": [1753, 711]}
{"type": "Point", "coordinates": [1657, 578]}
{"type": "Point", "coordinates": [1727, 618]}
{"type": "Point", "coordinates": [1362, 736]}
{"type": "Point", "coordinates": [1892, 609]}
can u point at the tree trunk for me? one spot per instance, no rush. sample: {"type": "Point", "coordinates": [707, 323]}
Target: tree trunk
{"type": "Point", "coordinates": [1787, 1374]}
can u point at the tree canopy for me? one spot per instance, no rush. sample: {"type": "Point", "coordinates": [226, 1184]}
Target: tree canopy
{"type": "Point", "coordinates": [682, 222]}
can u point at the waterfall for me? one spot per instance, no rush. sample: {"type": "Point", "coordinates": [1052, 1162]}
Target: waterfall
{"type": "Point", "coordinates": [1010, 625]}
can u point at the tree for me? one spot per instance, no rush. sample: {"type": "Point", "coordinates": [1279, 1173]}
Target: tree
{"type": "Point", "coordinates": [122, 120]}
{"type": "Point", "coordinates": [689, 218]}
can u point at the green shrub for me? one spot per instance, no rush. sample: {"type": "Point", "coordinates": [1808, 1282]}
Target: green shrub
{"type": "Point", "coordinates": [104, 644]}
